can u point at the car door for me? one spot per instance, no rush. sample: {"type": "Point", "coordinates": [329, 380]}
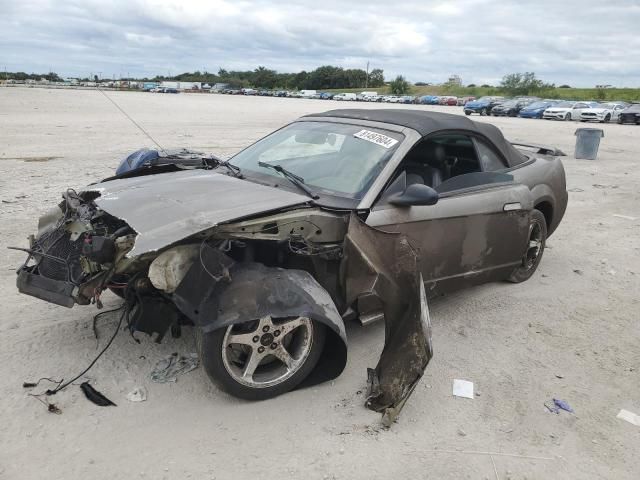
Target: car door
{"type": "Point", "coordinates": [476, 232]}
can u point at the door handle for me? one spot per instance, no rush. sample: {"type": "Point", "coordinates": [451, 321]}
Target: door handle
{"type": "Point", "coordinates": [508, 207]}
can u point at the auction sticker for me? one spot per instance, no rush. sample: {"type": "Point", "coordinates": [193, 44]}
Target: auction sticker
{"type": "Point", "coordinates": [377, 138]}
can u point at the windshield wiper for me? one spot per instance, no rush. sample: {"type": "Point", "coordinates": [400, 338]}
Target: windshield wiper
{"type": "Point", "coordinates": [292, 177]}
{"type": "Point", "coordinates": [234, 169]}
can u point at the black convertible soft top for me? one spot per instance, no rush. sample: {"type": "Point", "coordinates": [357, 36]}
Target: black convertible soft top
{"type": "Point", "coordinates": [426, 123]}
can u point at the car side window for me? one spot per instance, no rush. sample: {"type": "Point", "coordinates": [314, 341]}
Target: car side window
{"type": "Point", "coordinates": [489, 158]}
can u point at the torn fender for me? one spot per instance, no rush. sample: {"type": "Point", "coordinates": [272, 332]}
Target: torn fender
{"type": "Point", "coordinates": [216, 293]}
{"type": "Point", "coordinates": [385, 265]}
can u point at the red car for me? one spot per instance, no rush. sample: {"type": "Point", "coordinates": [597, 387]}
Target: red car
{"type": "Point", "coordinates": [453, 101]}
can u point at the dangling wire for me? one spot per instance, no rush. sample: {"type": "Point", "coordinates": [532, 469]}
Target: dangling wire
{"type": "Point", "coordinates": [132, 120]}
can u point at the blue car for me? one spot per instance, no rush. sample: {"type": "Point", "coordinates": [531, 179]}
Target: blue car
{"type": "Point", "coordinates": [429, 100]}
{"type": "Point", "coordinates": [536, 109]}
{"type": "Point", "coordinates": [482, 106]}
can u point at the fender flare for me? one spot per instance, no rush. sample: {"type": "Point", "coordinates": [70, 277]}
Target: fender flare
{"type": "Point", "coordinates": [216, 293]}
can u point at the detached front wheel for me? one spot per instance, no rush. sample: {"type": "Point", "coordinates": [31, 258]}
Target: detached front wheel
{"type": "Point", "coordinates": [263, 358]}
{"type": "Point", "coordinates": [535, 248]}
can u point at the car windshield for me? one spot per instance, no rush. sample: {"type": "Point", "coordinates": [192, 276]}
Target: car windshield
{"type": "Point", "coordinates": [535, 105]}
{"type": "Point", "coordinates": [605, 105]}
{"type": "Point", "coordinates": [331, 158]}
{"type": "Point", "coordinates": [509, 103]}
{"type": "Point", "coordinates": [634, 108]}
{"type": "Point", "coordinates": [565, 104]}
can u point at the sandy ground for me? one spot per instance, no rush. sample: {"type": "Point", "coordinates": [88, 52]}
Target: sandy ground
{"type": "Point", "coordinates": [571, 332]}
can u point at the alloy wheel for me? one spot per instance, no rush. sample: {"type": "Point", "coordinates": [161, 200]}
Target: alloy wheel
{"type": "Point", "coordinates": [266, 352]}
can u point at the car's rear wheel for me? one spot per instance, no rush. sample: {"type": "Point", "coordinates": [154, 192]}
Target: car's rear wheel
{"type": "Point", "coordinates": [535, 248]}
{"type": "Point", "coordinates": [484, 112]}
{"type": "Point", "coordinates": [262, 358]}
{"type": "Point", "coordinates": [567, 117]}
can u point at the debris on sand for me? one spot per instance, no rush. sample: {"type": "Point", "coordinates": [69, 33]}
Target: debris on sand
{"type": "Point", "coordinates": [462, 388]}
{"type": "Point", "coordinates": [138, 394]}
{"type": "Point", "coordinates": [168, 369]}
{"type": "Point", "coordinates": [95, 396]}
{"type": "Point", "coordinates": [630, 417]}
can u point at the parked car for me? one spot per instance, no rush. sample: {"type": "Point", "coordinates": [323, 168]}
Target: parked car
{"type": "Point", "coordinates": [630, 114]}
{"type": "Point", "coordinates": [462, 101]}
{"type": "Point", "coordinates": [407, 99]}
{"type": "Point", "coordinates": [347, 97]}
{"type": "Point", "coordinates": [280, 93]}
{"type": "Point", "coordinates": [536, 109]}
{"type": "Point", "coordinates": [511, 108]}
{"type": "Point", "coordinates": [567, 110]}
{"type": "Point", "coordinates": [425, 99]}
{"type": "Point", "coordinates": [452, 101]}
{"type": "Point", "coordinates": [603, 113]}
{"type": "Point", "coordinates": [326, 95]}
{"type": "Point", "coordinates": [265, 253]}
{"type": "Point", "coordinates": [483, 105]}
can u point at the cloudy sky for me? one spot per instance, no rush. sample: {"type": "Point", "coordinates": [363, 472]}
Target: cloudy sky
{"type": "Point", "coordinates": [579, 42]}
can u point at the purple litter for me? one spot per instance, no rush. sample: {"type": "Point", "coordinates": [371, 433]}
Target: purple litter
{"type": "Point", "coordinates": [563, 405]}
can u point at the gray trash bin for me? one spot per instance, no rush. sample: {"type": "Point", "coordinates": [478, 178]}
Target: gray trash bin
{"type": "Point", "coordinates": [587, 143]}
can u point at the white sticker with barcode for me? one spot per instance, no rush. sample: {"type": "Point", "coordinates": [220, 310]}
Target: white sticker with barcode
{"type": "Point", "coordinates": [377, 138]}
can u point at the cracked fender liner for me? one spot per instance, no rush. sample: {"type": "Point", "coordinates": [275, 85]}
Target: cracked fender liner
{"type": "Point", "coordinates": [216, 293]}
{"type": "Point", "coordinates": [385, 265]}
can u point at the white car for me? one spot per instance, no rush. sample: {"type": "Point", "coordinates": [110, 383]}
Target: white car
{"type": "Point", "coordinates": [392, 99]}
{"type": "Point", "coordinates": [567, 110]}
{"type": "Point", "coordinates": [603, 113]}
{"type": "Point", "coordinates": [347, 97]}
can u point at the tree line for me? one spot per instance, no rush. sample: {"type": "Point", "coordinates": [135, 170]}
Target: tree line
{"type": "Point", "coordinates": [322, 78]}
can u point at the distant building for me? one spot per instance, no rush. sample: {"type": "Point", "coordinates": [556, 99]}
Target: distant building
{"type": "Point", "coordinates": [455, 80]}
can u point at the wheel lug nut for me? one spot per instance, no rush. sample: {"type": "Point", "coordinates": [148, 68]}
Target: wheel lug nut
{"type": "Point", "coordinates": [265, 329]}
{"type": "Point", "coordinates": [260, 349]}
{"type": "Point", "coordinates": [274, 346]}
{"type": "Point", "coordinates": [255, 339]}
{"type": "Point", "coordinates": [276, 333]}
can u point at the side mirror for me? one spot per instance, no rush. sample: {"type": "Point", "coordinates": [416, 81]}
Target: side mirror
{"type": "Point", "coordinates": [415, 195]}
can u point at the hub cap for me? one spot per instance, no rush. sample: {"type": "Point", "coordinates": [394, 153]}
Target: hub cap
{"type": "Point", "coordinates": [535, 246]}
{"type": "Point", "coordinates": [266, 352]}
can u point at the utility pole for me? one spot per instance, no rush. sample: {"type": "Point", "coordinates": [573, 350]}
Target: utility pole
{"type": "Point", "coordinates": [366, 82]}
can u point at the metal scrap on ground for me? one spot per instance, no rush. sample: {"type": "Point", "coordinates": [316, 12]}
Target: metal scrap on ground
{"type": "Point", "coordinates": [168, 369]}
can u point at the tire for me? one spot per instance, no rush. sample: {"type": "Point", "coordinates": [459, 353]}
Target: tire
{"type": "Point", "coordinates": [467, 112]}
{"type": "Point", "coordinates": [607, 118]}
{"type": "Point", "coordinates": [224, 367]}
{"type": "Point", "coordinates": [567, 117]}
{"type": "Point", "coordinates": [537, 234]}
{"type": "Point", "coordinates": [484, 112]}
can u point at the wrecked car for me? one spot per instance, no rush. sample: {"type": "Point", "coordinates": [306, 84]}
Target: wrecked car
{"type": "Point", "coordinates": [345, 215]}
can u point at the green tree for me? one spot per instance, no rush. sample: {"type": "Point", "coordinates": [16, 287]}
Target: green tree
{"type": "Point", "coordinates": [400, 86]}
{"type": "Point", "coordinates": [376, 77]}
{"type": "Point", "coordinates": [522, 83]}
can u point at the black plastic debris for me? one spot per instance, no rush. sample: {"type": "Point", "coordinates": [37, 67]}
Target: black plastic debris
{"type": "Point", "coordinates": [95, 396]}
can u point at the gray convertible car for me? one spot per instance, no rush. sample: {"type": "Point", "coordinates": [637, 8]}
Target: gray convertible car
{"type": "Point", "coordinates": [346, 215]}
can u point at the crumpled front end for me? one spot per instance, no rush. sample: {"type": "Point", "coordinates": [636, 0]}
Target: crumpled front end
{"type": "Point", "coordinates": [76, 252]}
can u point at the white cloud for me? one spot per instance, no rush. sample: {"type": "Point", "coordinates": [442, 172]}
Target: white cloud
{"type": "Point", "coordinates": [580, 42]}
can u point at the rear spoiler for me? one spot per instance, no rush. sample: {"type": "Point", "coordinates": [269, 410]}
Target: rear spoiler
{"type": "Point", "coordinates": [541, 149]}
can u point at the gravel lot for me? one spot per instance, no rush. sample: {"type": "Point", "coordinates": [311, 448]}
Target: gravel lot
{"type": "Point", "coordinates": [571, 332]}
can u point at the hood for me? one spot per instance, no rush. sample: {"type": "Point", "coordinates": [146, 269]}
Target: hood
{"type": "Point", "coordinates": [559, 109]}
{"type": "Point", "coordinates": [169, 207]}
